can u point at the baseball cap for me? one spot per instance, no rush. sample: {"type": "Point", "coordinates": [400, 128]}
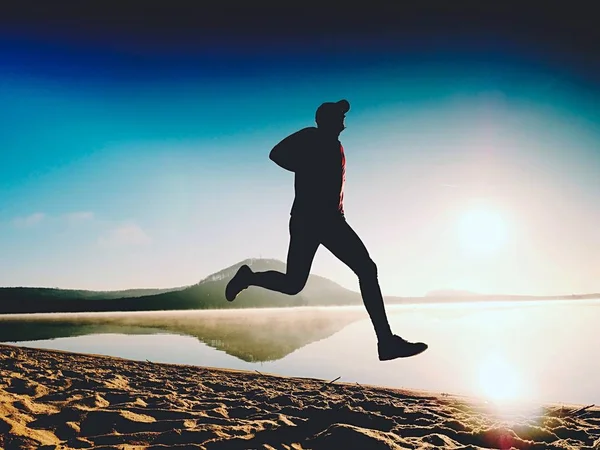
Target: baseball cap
{"type": "Point", "coordinates": [331, 109]}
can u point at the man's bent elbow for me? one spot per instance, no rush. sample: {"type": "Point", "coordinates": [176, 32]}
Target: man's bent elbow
{"type": "Point", "coordinates": [281, 162]}
{"type": "Point", "coordinates": [273, 156]}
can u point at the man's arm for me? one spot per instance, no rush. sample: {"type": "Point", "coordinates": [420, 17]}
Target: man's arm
{"type": "Point", "coordinates": [283, 156]}
{"type": "Point", "coordinates": [291, 151]}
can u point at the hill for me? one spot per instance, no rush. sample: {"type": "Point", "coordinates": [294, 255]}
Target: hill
{"type": "Point", "coordinates": [19, 293]}
{"type": "Point", "coordinates": [207, 294]}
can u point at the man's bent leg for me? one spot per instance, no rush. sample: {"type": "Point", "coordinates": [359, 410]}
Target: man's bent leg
{"type": "Point", "coordinates": [304, 242]}
{"type": "Point", "coordinates": [341, 240]}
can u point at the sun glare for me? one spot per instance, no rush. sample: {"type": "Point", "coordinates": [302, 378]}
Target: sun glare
{"type": "Point", "coordinates": [499, 380]}
{"type": "Point", "coordinates": [482, 231]}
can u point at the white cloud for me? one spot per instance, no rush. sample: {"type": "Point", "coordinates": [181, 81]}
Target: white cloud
{"type": "Point", "coordinates": [30, 220]}
{"type": "Point", "coordinates": [79, 216]}
{"type": "Point", "coordinates": [126, 234]}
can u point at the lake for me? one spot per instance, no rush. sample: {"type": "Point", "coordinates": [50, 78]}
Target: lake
{"type": "Point", "coordinates": [539, 351]}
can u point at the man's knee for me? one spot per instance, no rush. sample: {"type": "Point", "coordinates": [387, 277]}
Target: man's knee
{"type": "Point", "coordinates": [294, 285]}
{"type": "Point", "coordinates": [367, 270]}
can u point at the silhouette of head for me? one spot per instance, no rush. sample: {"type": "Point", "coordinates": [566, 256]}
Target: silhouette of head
{"type": "Point", "coordinates": [330, 116]}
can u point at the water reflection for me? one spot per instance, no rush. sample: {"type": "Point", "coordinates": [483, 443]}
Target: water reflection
{"type": "Point", "coordinates": [506, 352]}
{"type": "Point", "coordinates": [250, 335]}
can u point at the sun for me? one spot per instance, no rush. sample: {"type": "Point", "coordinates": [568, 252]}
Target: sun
{"type": "Point", "coordinates": [482, 230]}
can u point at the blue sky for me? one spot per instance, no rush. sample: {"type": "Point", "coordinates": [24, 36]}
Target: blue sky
{"type": "Point", "coordinates": [142, 167]}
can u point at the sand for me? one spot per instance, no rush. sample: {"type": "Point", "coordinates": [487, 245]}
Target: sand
{"type": "Point", "coordinates": [60, 400]}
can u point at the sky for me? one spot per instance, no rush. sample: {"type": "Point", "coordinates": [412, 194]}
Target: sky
{"type": "Point", "coordinates": [134, 152]}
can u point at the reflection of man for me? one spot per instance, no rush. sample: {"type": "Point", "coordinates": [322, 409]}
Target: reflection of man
{"type": "Point", "coordinates": [317, 158]}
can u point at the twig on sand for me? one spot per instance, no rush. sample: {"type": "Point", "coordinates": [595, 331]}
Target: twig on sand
{"type": "Point", "coordinates": [259, 372]}
{"type": "Point", "coordinates": [334, 380]}
{"type": "Point", "coordinates": [580, 411]}
{"type": "Point", "coordinates": [564, 412]}
{"type": "Point", "coordinates": [362, 390]}
{"type": "Point", "coordinates": [326, 384]}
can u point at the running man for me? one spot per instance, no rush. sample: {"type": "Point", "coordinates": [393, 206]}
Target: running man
{"type": "Point", "coordinates": [316, 156]}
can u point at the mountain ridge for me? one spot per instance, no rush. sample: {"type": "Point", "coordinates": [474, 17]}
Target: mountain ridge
{"type": "Point", "coordinates": [208, 293]}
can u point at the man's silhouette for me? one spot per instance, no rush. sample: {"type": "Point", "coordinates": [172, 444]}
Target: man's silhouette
{"type": "Point", "coordinates": [317, 158]}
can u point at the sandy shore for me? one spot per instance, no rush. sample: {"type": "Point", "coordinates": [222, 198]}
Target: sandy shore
{"type": "Point", "coordinates": [60, 400]}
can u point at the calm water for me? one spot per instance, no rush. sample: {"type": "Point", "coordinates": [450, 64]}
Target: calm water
{"type": "Point", "coordinates": [530, 351]}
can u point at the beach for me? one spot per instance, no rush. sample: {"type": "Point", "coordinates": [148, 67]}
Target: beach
{"type": "Point", "coordinates": [59, 400]}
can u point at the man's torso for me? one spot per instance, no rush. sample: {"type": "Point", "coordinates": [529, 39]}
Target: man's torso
{"type": "Point", "coordinates": [319, 181]}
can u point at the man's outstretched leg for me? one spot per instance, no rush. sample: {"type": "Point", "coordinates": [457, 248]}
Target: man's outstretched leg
{"type": "Point", "coordinates": [341, 240]}
{"type": "Point", "coordinates": [304, 242]}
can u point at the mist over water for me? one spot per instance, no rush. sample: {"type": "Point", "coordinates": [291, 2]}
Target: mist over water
{"type": "Point", "coordinates": [517, 351]}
